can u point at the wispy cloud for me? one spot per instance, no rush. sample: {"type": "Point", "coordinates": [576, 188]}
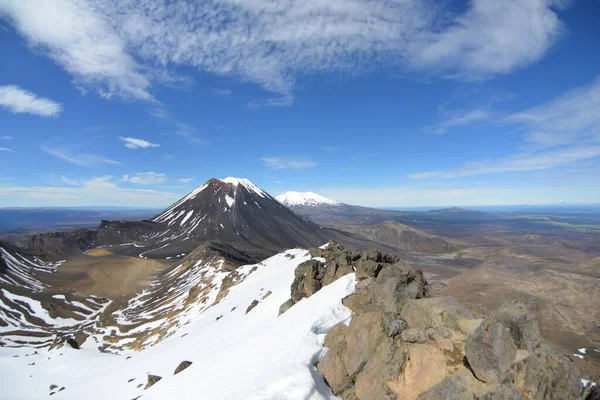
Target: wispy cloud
{"type": "Point", "coordinates": [564, 131]}
{"type": "Point", "coordinates": [87, 192]}
{"type": "Point", "coordinates": [133, 143]}
{"type": "Point", "coordinates": [18, 101]}
{"type": "Point", "coordinates": [121, 48]}
{"type": "Point", "coordinates": [5, 137]}
{"type": "Point", "coordinates": [284, 101]}
{"type": "Point", "coordinates": [185, 180]}
{"type": "Point", "coordinates": [460, 119]}
{"type": "Point", "coordinates": [570, 118]}
{"type": "Point", "coordinates": [288, 162]}
{"type": "Point", "coordinates": [522, 162]}
{"type": "Point", "coordinates": [146, 178]}
{"type": "Point", "coordinates": [77, 158]}
{"type": "Point", "coordinates": [7, 149]}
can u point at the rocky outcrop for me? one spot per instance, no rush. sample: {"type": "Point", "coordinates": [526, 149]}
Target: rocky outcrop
{"type": "Point", "coordinates": [182, 365]}
{"type": "Point", "coordinates": [402, 344]}
{"type": "Point", "coordinates": [397, 281]}
{"type": "Point", "coordinates": [152, 379]}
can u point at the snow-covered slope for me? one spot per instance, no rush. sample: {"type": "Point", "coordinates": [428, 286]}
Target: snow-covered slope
{"type": "Point", "coordinates": [305, 199]}
{"type": "Point", "coordinates": [236, 353]}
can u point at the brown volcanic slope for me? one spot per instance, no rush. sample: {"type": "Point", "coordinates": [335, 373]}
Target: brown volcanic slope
{"type": "Point", "coordinates": [404, 237]}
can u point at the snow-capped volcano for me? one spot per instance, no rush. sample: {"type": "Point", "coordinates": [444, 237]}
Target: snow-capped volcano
{"type": "Point", "coordinates": [231, 210]}
{"type": "Point", "coordinates": [308, 199]}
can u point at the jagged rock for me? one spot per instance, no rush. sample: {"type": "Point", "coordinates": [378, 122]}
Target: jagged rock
{"type": "Point", "coordinates": [393, 286]}
{"type": "Point", "coordinates": [367, 268]}
{"type": "Point", "coordinates": [396, 326]}
{"type": "Point", "coordinates": [251, 306]}
{"type": "Point", "coordinates": [521, 318]}
{"type": "Point", "coordinates": [73, 343]}
{"type": "Point", "coordinates": [384, 365]}
{"type": "Point", "coordinates": [424, 368]}
{"type": "Point", "coordinates": [334, 371]}
{"type": "Point", "coordinates": [451, 388]}
{"type": "Point", "coordinates": [547, 375]}
{"type": "Point", "coordinates": [183, 365]}
{"type": "Point", "coordinates": [490, 351]}
{"type": "Point", "coordinates": [413, 335]}
{"type": "Point", "coordinates": [52, 387]}
{"type": "Point", "coordinates": [285, 306]}
{"type": "Point", "coordinates": [152, 379]}
{"type": "Point", "coordinates": [364, 334]}
{"type": "Point", "coordinates": [434, 312]}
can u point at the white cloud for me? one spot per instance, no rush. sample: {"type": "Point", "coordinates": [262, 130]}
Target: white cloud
{"type": "Point", "coordinates": [5, 137]}
{"type": "Point", "coordinates": [146, 178]}
{"type": "Point", "coordinates": [121, 48]}
{"type": "Point", "coordinates": [288, 162]}
{"type": "Point", "coordinates": [83, 159]}
{"type": "Point", "coordinates": [461, 118]}
{"type": "Point", "coordinates": [522, 162]}
{"type": "Point", "coordinates": [18, 100]}
{"type": "Point", "coordinates": [185, 180]}
{"type": "Point", "coordinates": [91, 192]}
{"type": "Point", "coordinates": [77, 35]}
{"type": "Point", "coordinates": [133, 143]}
{"type": "Point", "coordinates": [7, 149]}
{"type": "Point", "coordinates": [284, 101]}
{"type": "Point", "coordinates": [491, 37]}
{"type": "Point", "coordinates": [568, 119]}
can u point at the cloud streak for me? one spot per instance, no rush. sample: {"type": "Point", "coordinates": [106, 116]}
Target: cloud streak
{"type": "Point", "coordinates": [133, 143]}
{"type": "Point", "coordinates": [288, 162]}
{"type": "Point", "coordinates": [21, 101]}
{"type": "Point", "coordinates": [82, 159]}
{"type": "Point", "coordinates": [90, 192]}
{"type": "Point", "coordinates": [6, 149]}
{"type": "Point", "coordinates": [146, 178]}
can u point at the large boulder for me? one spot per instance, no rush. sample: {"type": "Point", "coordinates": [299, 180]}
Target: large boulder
{"type": "Point", "coordinates": [490, 351]}
{"type": "Point", "coordinates": [362, 338]}
{"type": "Point", "coordinates": [547, 375]}
{"type": "Point", "coordinates": [520, 316]}
{"type": "Point", "coordinates": [434, 312]}
{"type": "Point", "coordinates": [384, 365]}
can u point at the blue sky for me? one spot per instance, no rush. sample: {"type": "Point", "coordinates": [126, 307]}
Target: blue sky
{"type": "Point", "coordinates": [378, 103]}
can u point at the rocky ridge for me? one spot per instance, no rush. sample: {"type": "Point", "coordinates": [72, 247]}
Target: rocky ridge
{"type": "Point", "coordinates": [403, 344]}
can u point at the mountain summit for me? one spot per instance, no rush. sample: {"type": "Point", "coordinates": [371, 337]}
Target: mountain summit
{"type": "Point", "coordinates": [308, 199]}
{"type": "Point", "coordinates": [230, 211]}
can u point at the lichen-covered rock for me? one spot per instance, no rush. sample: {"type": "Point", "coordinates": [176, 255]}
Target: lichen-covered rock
{"type": "Point", "coordinates": [490, 351]}
{"type": "Point", "coordinates": [547, 375]}
{"type": "Point", "coordinates": [434, 312]}
{"type": "Point", "coordinates": [383, 365]}
{"type": "Point", "coordinates": [520, 316]}
{"type": "Point", "coordinates": [413, 335]}
{"type": "Point", "coordinates": [364, 334]}
{"type": "Point", "coordinates": [451, 388]}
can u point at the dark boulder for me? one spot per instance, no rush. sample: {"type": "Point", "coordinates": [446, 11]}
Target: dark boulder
{"type": "Point", "coordinates": [183, 365]}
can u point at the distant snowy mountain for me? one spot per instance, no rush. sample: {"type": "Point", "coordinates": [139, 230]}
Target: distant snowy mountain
{"type": "Point", "coordinates": [307, 199]}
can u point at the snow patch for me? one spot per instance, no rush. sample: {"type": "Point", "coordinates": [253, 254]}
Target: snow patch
{"type": "Point", "coordinates": [309, 199]}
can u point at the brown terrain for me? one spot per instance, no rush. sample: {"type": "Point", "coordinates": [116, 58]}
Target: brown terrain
{"type": "Point", "coordinates": [101, 273]}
